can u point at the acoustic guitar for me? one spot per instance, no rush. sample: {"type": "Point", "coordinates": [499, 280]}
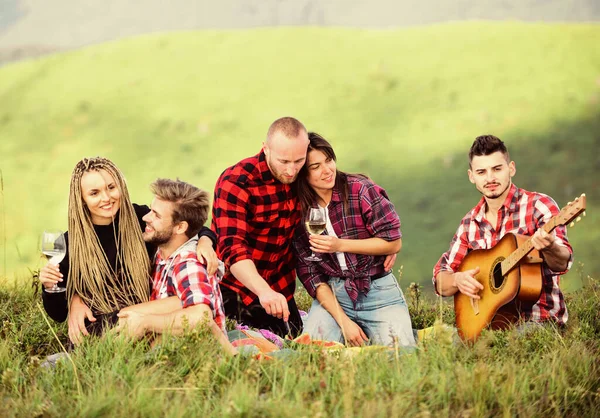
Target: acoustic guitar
{"type": "Point", "coordinates": [511, 275]}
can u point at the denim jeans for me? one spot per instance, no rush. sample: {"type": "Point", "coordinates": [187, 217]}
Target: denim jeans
{"type": "Point", "coordinates": [382, 314]}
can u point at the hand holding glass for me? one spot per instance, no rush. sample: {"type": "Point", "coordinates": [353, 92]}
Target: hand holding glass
{"type": "Point", "coordinates": [315, 225]}
{"type": "Point", "coordinates": [53, 246]}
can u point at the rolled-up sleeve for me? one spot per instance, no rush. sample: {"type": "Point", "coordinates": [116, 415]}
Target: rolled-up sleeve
{"type": "Point", "coordinates": [380, 216]}
{"type": "Point", "coordinates": [544, 209]}
{"type": "Point", "coordinates": [192, 284]}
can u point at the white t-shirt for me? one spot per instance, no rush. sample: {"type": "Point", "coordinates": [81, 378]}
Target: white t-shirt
{"type": "Point", "coordinates": [330, 231]}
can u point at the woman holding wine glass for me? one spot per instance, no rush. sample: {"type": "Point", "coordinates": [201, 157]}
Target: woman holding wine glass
{"type": "Point", "coordinates": [356, 299]}
{"type": "Point", "coordinates": [106, 265]}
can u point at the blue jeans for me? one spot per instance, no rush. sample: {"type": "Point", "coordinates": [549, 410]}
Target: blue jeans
{"type": "Point", "coordinates": [382, 314]}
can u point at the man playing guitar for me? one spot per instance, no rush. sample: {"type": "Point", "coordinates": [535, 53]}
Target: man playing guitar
{"type": "Point", "coordinates": [505, 208]}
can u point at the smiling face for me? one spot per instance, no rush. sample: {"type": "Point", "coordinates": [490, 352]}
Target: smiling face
{"type": "Point", "coordinates": [321, 171]}
{"type": "Point", "coordinates": [491, 174]}
{"type": "Point", "coordinates": [159, 222]}
{"type": "Point", "coordinates": [101, 195]}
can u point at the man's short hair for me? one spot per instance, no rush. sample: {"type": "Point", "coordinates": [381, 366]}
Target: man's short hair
{"type": "Point", "coordinates": [191, 204]}
{"type": "Point", "coordinates": [288, 126]}
{"type": "Point", "coordinates": [486, 145]}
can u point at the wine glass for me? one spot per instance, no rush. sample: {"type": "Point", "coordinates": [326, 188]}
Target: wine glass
{"type": "Point", "coordinates": [53, 246]}
{"type": "Point", "coordinates": [315, 225]}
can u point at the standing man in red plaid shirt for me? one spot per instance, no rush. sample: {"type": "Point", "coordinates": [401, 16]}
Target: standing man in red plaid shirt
{"type": "Point", "coordinates": [506, 208]}
{"type": "Point", "coordinates": [255, 213]}
{"type": "Point", "coordinates": [183, 293]}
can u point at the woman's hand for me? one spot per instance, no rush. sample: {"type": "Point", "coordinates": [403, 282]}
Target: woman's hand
{"type": "Point", "coordinates": [50, 275]}
{"type": "Point", "coordinates": [206, 254]}
{"type": "Point", "coordinates": [325, 244]}
{"type": "Point", "coordinates": [353, 334]}
{"type": "Point", "coordinates": [78, 312]}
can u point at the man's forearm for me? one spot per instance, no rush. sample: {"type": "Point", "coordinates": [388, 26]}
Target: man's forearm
{"type": "Point", "coordinates": [445, 284]}
{"type": "Point", "coordinates": [557, 257]}
{"type": "Point", "coordinates": [176, 322]}
{"type": "Point", "coordinates": [160, 306]}
{"type": "Point", "coordinates": [245, 271]}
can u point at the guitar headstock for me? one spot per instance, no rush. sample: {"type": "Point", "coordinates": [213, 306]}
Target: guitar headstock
{"type": "Point", "coordinates": [570, 213]}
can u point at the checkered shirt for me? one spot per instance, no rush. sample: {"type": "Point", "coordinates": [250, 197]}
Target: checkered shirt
{"type": "Point", "coordinates": [522, 213]}
{"type": "Point", "coordinates": [187, 279]}
{"type": "Point", "coordinates": [254, 216]}
{"type": "Point", "coordinates": [370, 214]}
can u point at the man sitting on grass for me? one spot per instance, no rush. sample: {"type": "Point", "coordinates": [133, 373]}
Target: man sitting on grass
{"type": "Point", "coordinates": [183, 294]}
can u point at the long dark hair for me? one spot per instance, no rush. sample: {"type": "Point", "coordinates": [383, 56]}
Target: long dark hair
{"type": "Point", "coordinates": [307, 196]}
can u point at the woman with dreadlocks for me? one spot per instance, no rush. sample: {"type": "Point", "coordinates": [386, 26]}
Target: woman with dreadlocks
{"type": "Point", "coordinates": [107, 264]}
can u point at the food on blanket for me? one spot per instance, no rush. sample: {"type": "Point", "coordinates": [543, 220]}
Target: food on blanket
{"type": "Point", "coordinates": [305, 339]}
{"type": "Point", "coordinates": [243, 341]}
{"type": "Point", "coordinates": [327, 344]}
{"type": "Point", "coordinates": [262, 343]}
{"type": "Point", "coordinates": [302, 339]}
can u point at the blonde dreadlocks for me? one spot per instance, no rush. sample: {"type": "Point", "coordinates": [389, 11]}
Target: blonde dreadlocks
{"type": "Point", "coordinates": [90, 274]}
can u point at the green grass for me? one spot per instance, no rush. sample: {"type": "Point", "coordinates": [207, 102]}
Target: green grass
{"type": "Point", "coordinates": [400, 105]}
{"type": "Point", "coordinates": [547, 373]}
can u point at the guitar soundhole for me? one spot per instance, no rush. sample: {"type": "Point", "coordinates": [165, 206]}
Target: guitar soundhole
{"type": "Point", "coordinates": [497, 280]}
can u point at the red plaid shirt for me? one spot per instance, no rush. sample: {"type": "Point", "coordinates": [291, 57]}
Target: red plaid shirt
{"type": "Point", "coordinates": [370, 214]}
{"type": "Point", "coordinates": [522, 213]}
{"type": "Point", "coordinates": [254, 216]}
{"type": "Point", "coordinates": [182, 275]}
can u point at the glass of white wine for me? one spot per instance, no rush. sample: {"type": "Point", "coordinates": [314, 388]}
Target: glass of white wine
{"type": "Point", "coordinates": [315, 225]}
{"type": "Point", "coordinates": [53, 246]}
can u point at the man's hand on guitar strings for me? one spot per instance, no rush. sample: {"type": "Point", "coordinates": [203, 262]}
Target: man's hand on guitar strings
{"type": "Point", "coordinates": [467, 284]}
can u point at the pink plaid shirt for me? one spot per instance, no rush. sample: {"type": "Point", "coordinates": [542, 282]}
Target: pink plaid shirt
{"type": "Point", "coordinates": [182, 275]}
{"type": "Point", "coordinates": [522, 213]}
{"type": "Point", "coordinates": [370, 214]}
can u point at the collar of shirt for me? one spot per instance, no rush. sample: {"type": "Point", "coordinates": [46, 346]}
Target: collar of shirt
{"type": "Point", "coordinates": [263, 168]}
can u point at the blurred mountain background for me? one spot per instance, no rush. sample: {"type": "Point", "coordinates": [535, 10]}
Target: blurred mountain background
{"type": "Point", "coordinates": [34, 27]}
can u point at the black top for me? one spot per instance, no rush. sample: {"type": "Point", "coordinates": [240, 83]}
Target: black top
{"type": "Point", "coordinates": [55, 304]}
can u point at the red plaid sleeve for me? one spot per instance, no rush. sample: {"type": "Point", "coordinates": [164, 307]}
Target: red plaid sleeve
{"type": "Point", "coordinates": [543, 210]}
{"type": "Point", "coordinates": [190, 280]}
{"type": "Point", "coordinates": [459, 247]}
{"type": "Point", "coordinates": [229, 221]}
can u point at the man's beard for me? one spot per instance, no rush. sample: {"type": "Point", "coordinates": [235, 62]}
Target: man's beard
{"type": "Point", "coordinates": [159, 238]}
{"type": "Point", "coordinates": [496, 195]}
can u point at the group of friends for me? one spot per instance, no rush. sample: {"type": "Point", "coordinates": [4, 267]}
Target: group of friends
{"type": "Point", "coordinates": [153, 269]}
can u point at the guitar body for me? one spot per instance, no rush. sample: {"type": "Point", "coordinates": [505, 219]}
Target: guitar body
{"type": "Point", "coordinates": [502, 296]}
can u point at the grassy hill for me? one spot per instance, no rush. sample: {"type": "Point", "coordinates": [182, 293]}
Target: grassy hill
{"type": "Point", "coordinates": [400, 105]}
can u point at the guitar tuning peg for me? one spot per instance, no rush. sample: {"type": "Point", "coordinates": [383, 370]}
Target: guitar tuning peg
{"type": "Point", "coordinates": [572, 224]}
{"type": "Point", "coordinates": [578, 219]}
{"type": "Point", "coordinates": [584, 213]}
{"type": "Point", "coordinates": [569, 202]}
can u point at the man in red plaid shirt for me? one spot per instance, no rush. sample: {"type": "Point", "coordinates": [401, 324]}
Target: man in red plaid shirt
{"type": "Point", "coordinates": [255, 213]}
{"type": "Point", "coordinates": [183, 293]}
{"type": "Point", "coordinates": [506, 208]}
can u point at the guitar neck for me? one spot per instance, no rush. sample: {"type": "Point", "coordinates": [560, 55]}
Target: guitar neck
{"type": "Point", "coordinates": [517, 255]}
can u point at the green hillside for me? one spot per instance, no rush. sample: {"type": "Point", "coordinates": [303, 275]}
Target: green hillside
{"type": "Point", "coordinates": [400, 105]}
